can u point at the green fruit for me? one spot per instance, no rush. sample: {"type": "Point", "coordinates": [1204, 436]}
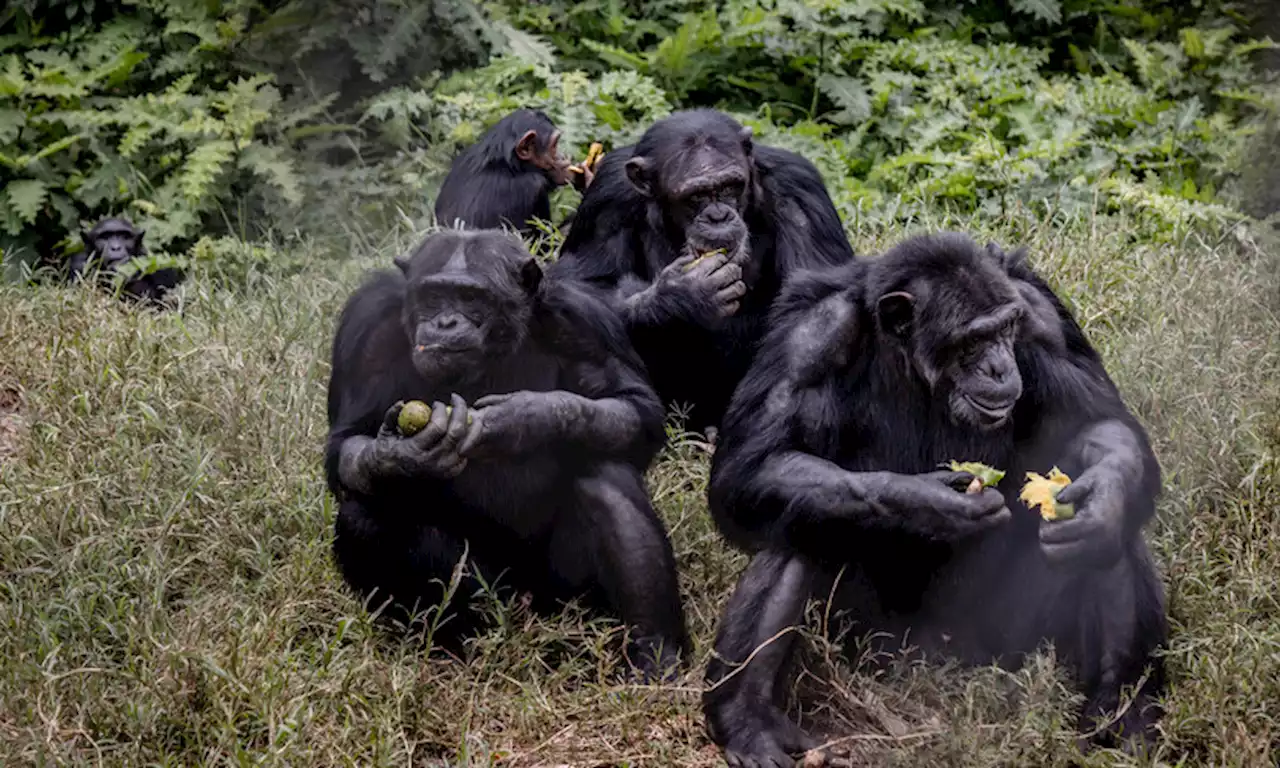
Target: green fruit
{"type": "Point", "coordinates": [1063, 511]}
{"type": "Point", "coordinates": [413, 417]}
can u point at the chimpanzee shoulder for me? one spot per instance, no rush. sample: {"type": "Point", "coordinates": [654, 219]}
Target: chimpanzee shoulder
{"type": "Point", "coordinates": [796, 205]}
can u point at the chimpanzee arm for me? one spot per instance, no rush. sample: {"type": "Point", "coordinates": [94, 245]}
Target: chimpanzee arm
{"type": "Point", "coordinates": [604, 405]}
{"type": "Point", "coordinates": [1076, 420]}
{"type": "Point", "coordinates": [371, 370]}
{"type": "Point", "coordinates": [769, 487]}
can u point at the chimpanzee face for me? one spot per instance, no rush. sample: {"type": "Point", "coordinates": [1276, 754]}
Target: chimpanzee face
{"type": "Point", "coordinates": [703, 190]}
{"type": "Point", "coordinates": [468, 302]}
{"type": "Point", "coordinates": [959, 331]}
{"type": "Point", "coordinates": [543, 151]}
{"type": "Point", "coordinates": [113, 242]}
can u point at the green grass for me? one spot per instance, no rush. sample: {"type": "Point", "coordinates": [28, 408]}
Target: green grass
{"type": "Point", "coordinates": [167, 595]}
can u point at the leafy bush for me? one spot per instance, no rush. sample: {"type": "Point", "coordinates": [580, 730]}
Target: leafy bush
{"type": "Point", "coordinates": [136, 111]}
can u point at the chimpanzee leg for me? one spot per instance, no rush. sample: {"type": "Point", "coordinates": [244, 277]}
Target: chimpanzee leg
{"type": "Point", "coordinates": [412, 567]}
{"type": "Point", "coordinates": [742, 710]}
{"type": "Point", "coordinates": [612, 539]}
{"type": "Point", "coordinates": [1106, 624]}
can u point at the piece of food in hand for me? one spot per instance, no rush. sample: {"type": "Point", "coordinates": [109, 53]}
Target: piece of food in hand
{"type": "Point", "coordinates": [983, 475]}
{"type": "Point", "coordinates": [1042, 492]}
{"type": "Point", "coordinates": [594, 154]}
{"type": "Point", "coordinates": [414, 416]}
{"type": "Point", "coordinates": [702, 256]}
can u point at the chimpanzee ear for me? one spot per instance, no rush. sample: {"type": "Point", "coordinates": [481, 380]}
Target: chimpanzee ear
{"type": "Point", "coordinates": [638, 173]}
{"type": "Point", "coordinates": [402, 262]}
{"type": "Point", "coordinates": [895, 311]}
{"type": "Point", "coordinates": [137, 238]}
{"type": "Point", "coordinates": [530, 276]}
{"type": "Point", "coordinates": [527, 146]}
{"type": "Point", "coordinates": [747, 137]}
{"type": "Point", "coordinates": [86, 238]}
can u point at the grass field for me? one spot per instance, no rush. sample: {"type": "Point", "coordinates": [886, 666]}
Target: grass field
{"type": "Point", "coordinates": [167, 595]}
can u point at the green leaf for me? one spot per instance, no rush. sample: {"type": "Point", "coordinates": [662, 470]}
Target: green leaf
{"type": "Point", "coordinates": [526, 46]}
{"type": "Point", "coordinates": [1193, 43]}
{"type": "Point", "coordinates": [848, 93]}
{"type": "Point", "coordinates": [26, 197]}
{"type": "Point", "coordinates": [1045, 10]}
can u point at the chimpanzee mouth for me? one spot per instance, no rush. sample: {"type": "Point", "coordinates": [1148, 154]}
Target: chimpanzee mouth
{"type": "Point", "coordinates": [989, 411]}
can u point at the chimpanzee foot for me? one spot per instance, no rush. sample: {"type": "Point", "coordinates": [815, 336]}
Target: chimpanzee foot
{"type": "Point", "coordinates": [769, 740]}
{"type": "Point", "coordinates": [654, 659]}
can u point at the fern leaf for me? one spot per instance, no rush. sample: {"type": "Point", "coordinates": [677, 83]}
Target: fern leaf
{"type": "Point", "coordinates": [271, 164]}
{"type": "Point", "coordinates": [26, 197]}
{"type": "Point", "coordinates": [203, 167]}
{"type": "Point", "coordinates": [1045, 10]}
{"type": "Point", "coordinates": [526, 46]}
{"type": "Point", "coordinates": [848, 93]}
{"type": "Point", "coordinates": [617, 57]}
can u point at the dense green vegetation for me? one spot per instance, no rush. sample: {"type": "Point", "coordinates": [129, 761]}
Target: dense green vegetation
{"type": "Point", "coordinates": [166, 592]}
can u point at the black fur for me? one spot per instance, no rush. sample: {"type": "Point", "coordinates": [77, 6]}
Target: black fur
{"type": "Point", "coordinates": [111, 244]}
{"type": "Point", "coordinates": [562, 519]}
{"type": "Point", "coordinates": [824, 462]}
{"type": "Point", "coordinates": [622, 241]}
{"type": "Point", "coordinates": [488, 186]}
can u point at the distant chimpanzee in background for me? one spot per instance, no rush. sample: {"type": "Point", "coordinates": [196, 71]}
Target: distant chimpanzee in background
{"type": "Point", "coordinates": [872, 376]}
{"type": "Point", "coordinates": [110, 245]}
{"type": "Point", "coordinates": [506, 178]}
{"type": "Point", "coordinates": [695, 183]}
{"type": "Point", "coordinates": [542, 476]}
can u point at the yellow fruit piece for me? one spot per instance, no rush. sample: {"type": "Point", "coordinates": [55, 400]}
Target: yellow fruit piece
{"type": "Point", "coordinates": [414, 415]}
{"type": "Point", "coordinates": [989, 476]}
{"type": "Point", "coordinates": [1042, 492]}
{"type": "Point", "coordinates": [702, 256]}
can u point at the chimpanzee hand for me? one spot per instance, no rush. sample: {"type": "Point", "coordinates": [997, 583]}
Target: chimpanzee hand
{"type": "Point", "coordinates": [1095, 536]}
{"type": "Point", "coordinates": [433, 452]}
{"type": "Point", "coordinates": [712, 287]}
{"type": "Point", "coordinates": [935, 504]}
{"type": "Point", "coordinates": [517, 423]}
{"type": "Point", "coordinates": [583, 180]}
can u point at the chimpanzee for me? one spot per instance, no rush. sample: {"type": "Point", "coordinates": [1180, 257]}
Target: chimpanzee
{"type": "Point", "coordinates": [876, 373]}
{"type": "Point", "coordinates": [539, 479]}
{"type": "Point", "coordinates": [650, 225]}
{"type": "Point", "coordinates": [110, 245]}
{"type": "Point", "coordinates": [506, 178]}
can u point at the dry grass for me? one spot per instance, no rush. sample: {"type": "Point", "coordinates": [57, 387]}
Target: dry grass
{"type": "Point", "coordinates": [167, 597]}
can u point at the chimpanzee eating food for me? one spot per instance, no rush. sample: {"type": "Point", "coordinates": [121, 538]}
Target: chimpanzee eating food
{"type": "Point", "coordinates": [532, 460]}
{"type": "Point", "coordinates": [874, 375]}
{"type": "Point", "coordinates": [694, 228]}
{"type": "Point", "coordinates": [111, 244]}
{"type": "Point", "coordinates": [506, 178]}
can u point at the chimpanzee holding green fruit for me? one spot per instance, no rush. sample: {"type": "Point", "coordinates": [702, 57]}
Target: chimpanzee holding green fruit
{"type": "Point", "coordinates": [531, 461]}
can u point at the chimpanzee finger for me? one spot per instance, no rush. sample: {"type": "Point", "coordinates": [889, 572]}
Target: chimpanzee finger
{"type": "Point", "coordinates": [457, 428]}
{"type": "Point", "coordinates": [678, 266]}
{"type": "Point", "coordinates": [391, 419]}
{"type": "Point", "coordinates": [1063, 531]}
{"type": "Point", "coordinates": [1075, 492]}
{"type": "Point", "coordinates": [987, 503]}
{"type": "Point", "coordinates": [729, 310]}
{"type": "Point", "coordinates": [491, 400]}
{"type": "Point", "coordinates": [435, 429]}
{"type": "Point", "coordinates": [727, 275]}
{"type": "Point", "coordinates": [474, 437]}
{"type": "Point", "coordinates": [954, 480]}
{"type": "Point", "coordinates": [708, 265]}
{"type": "Point", "coordinates": [734, 291]}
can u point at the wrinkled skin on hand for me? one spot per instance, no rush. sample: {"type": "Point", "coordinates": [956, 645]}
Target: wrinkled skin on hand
{"type": "Point", "coordinates": [516, 423]}
{"type": "Point", "coordinates": [433, 452]}
{"type": "Point", "coordinates": [951, 513]}
{"type": "Point", "coordinates": [714, 281]}
{"type": "Point", "coordinates": [1094, 538]}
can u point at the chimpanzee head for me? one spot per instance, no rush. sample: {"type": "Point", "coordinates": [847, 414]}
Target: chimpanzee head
{"type": "Point", "coordinates": [469, 300]}
{"type": "Point", "coordinates": [697, 168]}
{"type": "Point", "coordinates": [112, 242]}
{"type": "Point", "coordinates": [955, 314]}
{"type": "Point", "coordinates": [530, 139]}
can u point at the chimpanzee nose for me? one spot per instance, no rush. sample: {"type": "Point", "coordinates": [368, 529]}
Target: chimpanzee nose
{"type": "Point", "coordinates": [446, 322]}
{"type": "Point", "coordinates": [719, 214]}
